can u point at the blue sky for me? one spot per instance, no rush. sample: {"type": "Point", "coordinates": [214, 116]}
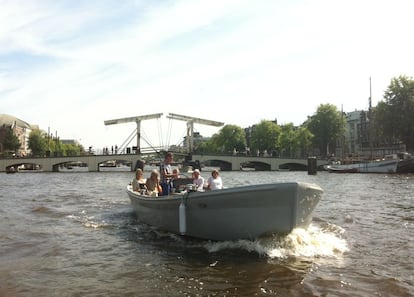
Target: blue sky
{"type": "Point", "coordinates": [71, 65]}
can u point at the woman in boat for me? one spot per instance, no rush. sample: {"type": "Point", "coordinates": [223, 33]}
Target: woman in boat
{"type": "Point", "coordinates": [214, 182]}
{"type": "Point", "coordinates": [153, 184]}
{"type": "Point", "coordinates": [138, 183]}
{"type": "Point", "coordinates": [198, 180]}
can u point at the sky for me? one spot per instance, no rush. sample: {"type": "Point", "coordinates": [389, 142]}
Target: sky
{"type": "Point", "coordinates": [68, 66]}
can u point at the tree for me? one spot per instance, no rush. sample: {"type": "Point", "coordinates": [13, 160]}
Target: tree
{"type": "Point", "coordinates": [305, 140]}
{"type": "Point", "coordinates": [382, 125]}
{"type": "Point", "coordinates": [11, 142]}
{"type": "Point", "coordinates": [288, 141]}
{"type": "Point", "coordinates": [294, 141]}
{"type": "Point", "coordinates": [327, 124]}
{"type": "Point", "coordinates": [229, 138]}
{"type": "Point", "coordinates": [265, 136]}
{"type": "Point", "coordinates": [70, 149]}
{"type": "Point", "coordinates": [37, 143]}
{"type": "Point", "coordinates": [395, 114]}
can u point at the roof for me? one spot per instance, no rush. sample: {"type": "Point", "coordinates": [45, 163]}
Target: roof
{"type": "Point", "coordinates": [8, 120]}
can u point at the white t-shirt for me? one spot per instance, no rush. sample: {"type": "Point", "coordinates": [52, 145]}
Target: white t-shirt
{"type": "Point", "coordinates": [199, 182]}
{"type": "Point", "coordinates": [165, 168]}
{"type": "Point", "coordinates": [215, 183]}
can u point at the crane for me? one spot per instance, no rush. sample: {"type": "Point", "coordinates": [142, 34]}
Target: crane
{"type": "Point", "coordinates": [137, 120]}
{"type": "Point", "coordinates": [190, 127]}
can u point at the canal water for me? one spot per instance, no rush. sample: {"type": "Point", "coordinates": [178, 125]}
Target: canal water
{"type": "Point", "coordinates": [68, 234]}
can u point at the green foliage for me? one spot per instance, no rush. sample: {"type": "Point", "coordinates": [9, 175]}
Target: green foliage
{"type": "Point", "coordinates": [393, 118]}
{"type": "Point", "coordinates": [305, 138]}
{"type": "Point", "coordinates": [43, 143]}
{"type": "Point", "coordinates": [383, 125]}
{"type": "Point", "coordinates": [288, 140]}
{"type": "Point", "coordinates": [11, 142]}
{"type": "Point", "coordinates": [230, 137]}
{"type": "Point", "coordinates": [294, 141]}
{"type": "Point", "coordinates": [327, 124]}
{"type": "Point", "coordinates": [265, 136]}
{"type": "Point", "coordinates": [207, 147]}
{"type": "Point", "coordinates": [37, 143]}
{"type": "Point", "coordinates": [71, 149]}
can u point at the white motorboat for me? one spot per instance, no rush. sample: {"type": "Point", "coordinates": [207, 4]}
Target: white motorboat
{"type": "Point", "coordinates": [245, 212]}
{"type": "Point", "coordinates": [113, 165]}
{"type": "Point", "coordinates": [29, 168]}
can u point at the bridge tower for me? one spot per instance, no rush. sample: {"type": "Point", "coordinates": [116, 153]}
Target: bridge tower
{"type": "Point", "coordinates": [137, 120]}
{"type": "Point", "coordinates": [190, 127]}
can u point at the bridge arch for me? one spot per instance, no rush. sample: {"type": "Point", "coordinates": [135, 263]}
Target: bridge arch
{"type": "Point", "coordinates": [73, 165]}
{"type": "Point", "coordinates": [221, 164]}
{"type": "Point", "coordinates": [256, 165]}
{"type": "Point", "coordinates": [24, 166]}
{"type": "Point", "coordinates": [293, 166]}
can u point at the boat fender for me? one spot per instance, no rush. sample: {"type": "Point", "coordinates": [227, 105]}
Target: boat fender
{"type": "Point", "coordinates": [182, 216]}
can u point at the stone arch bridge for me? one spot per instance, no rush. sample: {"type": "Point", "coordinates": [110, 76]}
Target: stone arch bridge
{"type": "Point", "coordinates": [224, 162]}
{"type": "Point", "coordinates": [234, 162]}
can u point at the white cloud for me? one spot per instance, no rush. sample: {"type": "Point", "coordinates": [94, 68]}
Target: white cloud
{"type": "Point", "coordinates": [72, 65]}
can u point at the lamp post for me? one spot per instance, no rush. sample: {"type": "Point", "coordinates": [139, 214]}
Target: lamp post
{"type": "Point", "coordinates": [48, 142]}
{"type": "Point", "coordinates": [56, 144]}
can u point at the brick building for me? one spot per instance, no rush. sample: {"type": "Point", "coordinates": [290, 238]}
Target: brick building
{"type": "Point", "coordinates": [20, 128]}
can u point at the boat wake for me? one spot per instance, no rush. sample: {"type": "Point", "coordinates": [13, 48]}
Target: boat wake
{"type": "Point", "coordinates": [313, 242]}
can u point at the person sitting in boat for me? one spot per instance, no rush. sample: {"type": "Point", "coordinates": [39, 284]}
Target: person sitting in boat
{"type": "Point", "coordinates": [153, 184]}
{"type": "Point", "coordinates": [198, 180]}
{"type": "Point", "coordinates": [214, 182]}
{"type": "Point", "coordinates": [138, 183]}
{"type": "Point", "coordinates": [176, 173]}
{"type": "Point", "coordinates": [174, 180]}
{"type": "Point", "coordinates": [167, 174]}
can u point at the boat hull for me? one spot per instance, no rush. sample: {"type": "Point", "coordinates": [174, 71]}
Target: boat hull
{"type": "Point", "coordinates": [384, 166]}
{"type": "Point", "coordinates": [342, 170]}
{"type": "Point", "coordinates": [246, 212]}
{"type": "Point", "coordinates": [115, 168]}
{"type": "Point", "coordinates": [406, 166]}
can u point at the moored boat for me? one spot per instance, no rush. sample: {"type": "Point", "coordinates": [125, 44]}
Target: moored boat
{"type": "Point", "coordinates": [29, 168]}
{"type": "Point", "coordinates": [245, 212]}
{"type": "Point", "coordinates": [343, 169]}
{"type": "Point", "coordinates": [115, 167]}
{"type": "Point", "coordinates": [406, 164]}
{"type": "Point", "coordinates": [380, 166]}
{"type": "Point", "coordinates": [387, 165]}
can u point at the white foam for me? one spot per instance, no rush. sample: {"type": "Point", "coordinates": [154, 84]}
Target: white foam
{"type": "Point", "coordinates": [313, 242]}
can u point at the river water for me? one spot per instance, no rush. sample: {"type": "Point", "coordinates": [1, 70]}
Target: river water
{"type": "Point", "coordinates": [68, 234]}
